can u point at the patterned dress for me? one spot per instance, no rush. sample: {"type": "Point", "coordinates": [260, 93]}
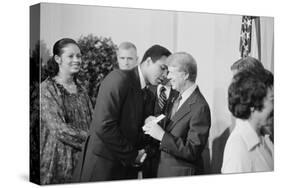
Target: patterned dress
{"type": "Point", "coordinates": [65, 121]}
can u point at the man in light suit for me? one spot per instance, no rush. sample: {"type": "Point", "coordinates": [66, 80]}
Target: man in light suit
{"type": "Point", "coordinates": [186, 130]}
{"type": "Point", "coordinates": [116, 139]}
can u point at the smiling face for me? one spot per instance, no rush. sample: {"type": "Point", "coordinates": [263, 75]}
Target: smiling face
{"type": "Point", "coordinates": [70, 59]}
{"type": "Point", "coordinates": [177, 78]}
{"type": "Point", "coordinates": [127, 58]}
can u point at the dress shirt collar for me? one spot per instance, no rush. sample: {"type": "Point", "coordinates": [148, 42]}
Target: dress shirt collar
{"type": "Point", "coordinates": [167, 91]}
{"type": "Point", "coordinates": [248, 134]}
{"type": "Point", "coordinates": [142, 81]}
{"type": "Point", "coordinates": [268, 143]}
{"type": "Point", "coordinates": [186, 94]}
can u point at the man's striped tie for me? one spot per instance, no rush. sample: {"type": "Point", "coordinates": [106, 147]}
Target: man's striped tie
{"type": "Point", "coordinates": [162, 100]}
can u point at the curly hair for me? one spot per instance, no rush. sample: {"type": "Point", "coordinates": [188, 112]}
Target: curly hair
{"type": "Point", "coordinates": [52, 66]}
{"type": "Point", "coordinates": [247, 63]}
{"type": "Point", "coordinates": [247, 90]}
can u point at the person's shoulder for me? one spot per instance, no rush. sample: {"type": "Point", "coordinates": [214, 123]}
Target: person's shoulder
{"type": "Point", "coordinates": [117, 77]}
{"type": "Point", "coordinates": [236, 144]}
{"type": "Point", "coordinates": [47, 84]}
{"type": "Point", "coordinates": [47, 89]}
{"type": "Point", "coordinates": [116, 80]}
{"type": "Point", "coordinates": [201, 99]}
{"type": "Point", "coordinates": [236, 155]}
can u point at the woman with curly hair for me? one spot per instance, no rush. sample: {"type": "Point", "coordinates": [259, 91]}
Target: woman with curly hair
{"type": "Point", "coordinates": [66, 114]}
{"type": "Point", "coordinates": [254, 65]}
{"type": "Point", "coordinates": [250, 99]}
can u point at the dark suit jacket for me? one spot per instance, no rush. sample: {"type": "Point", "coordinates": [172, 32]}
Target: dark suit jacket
{"type": "Point", "coordinates": [116, 133]}
{"type": "Point", "coordinates": [150, 165]}
{"type": "Point", "coordinates": [186, 135]}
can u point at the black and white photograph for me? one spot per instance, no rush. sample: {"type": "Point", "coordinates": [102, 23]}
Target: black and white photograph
{"type": "Point", "coordinates": [138, 95]}
{"type": "Point", "coordinates": [134, 93]}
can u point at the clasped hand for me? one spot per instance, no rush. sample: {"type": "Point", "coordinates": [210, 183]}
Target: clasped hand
{"type": "Point", "coordinates": [153, 129]}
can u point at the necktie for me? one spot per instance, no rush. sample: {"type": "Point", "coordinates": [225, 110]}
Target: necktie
{"type": "Point", "coordinates": [176, 105]}
{"type": "Point", "coordinates": [162, 100]}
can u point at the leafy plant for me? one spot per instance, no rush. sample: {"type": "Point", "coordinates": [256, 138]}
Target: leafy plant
{"type": "Point", "coordinates": [98, 59]}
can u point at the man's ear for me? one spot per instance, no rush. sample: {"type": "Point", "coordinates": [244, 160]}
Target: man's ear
{"type": "Point", "coordinates": [57, 59]}
{"type": "Point", "coordinates": [148, 61]}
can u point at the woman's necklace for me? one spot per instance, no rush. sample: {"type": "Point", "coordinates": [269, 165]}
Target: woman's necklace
{"type": "Point", "coordinates": [70, 86]}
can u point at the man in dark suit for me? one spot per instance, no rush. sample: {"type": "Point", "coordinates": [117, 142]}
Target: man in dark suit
{"type": "Point", "coordinates": [116, 139]}
{"type": "Point", "coordinates": [186, 131]}
{"type": "Point", "coordinates": [163, 96]}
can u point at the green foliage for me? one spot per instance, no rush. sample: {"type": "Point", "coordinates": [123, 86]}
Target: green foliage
{"type": "Point", "coordinates": [98, 59]}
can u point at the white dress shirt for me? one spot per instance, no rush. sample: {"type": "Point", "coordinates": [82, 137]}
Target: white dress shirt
{"type": "Point", "coordinates": [186, 94]}
{"type": "Point", "coordinates": [167, 91]}
{"type": "Point", "coordinates": [142, 81]}
{"type": "Point", "coordinates": [245, 151]}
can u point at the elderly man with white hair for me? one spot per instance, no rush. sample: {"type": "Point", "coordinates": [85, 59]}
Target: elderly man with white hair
{"type": "Point", "coordinates": [186, 130]}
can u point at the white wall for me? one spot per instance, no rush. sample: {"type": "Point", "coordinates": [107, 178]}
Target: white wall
{"type": "Point", "coordinates": [267, 42]}
{"type": "Point", "coordinates": [213, 40]}
{"type": "Point", "coordinates": [142, 27]}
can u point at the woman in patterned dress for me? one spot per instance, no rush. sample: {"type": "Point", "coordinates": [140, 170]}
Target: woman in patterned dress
{"type": "Point", "coordinates": [66, 114]}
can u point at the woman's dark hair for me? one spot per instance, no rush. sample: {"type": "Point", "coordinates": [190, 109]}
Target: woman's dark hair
{"type": "Point", "coordinates": [247, 90]}
{"type": "Point", "coordinates": [268, 78]}
{"type": "Point", "coordinates": [247, 63]}
{"type": "Point", "coordinates": [52, 65]}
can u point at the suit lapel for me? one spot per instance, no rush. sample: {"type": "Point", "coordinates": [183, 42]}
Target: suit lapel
{"type": "Point", "coordinates": [183, 110]}
{"type": "Point", "coordinates": [153, 90]}
{"type": "Point", "coordinates": [173, 96]}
